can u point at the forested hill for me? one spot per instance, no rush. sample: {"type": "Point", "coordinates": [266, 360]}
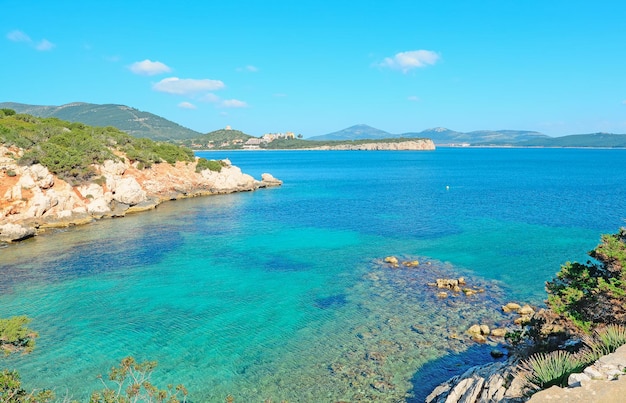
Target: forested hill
{"type": "Point", "coordinates": [69, 149]}
{"type": "Point", "coordinates": [130, 120]}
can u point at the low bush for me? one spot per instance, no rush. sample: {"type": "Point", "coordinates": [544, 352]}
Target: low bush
{"type": "Point", "coordinates": [593, 293]}
{"type": "Point", "coordinates": [15, 335]}
{"type": "Point", "coordinates": [211, 165]}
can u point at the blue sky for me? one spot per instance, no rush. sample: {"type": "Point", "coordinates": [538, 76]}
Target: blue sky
{"type": "Point", "coordinates": [314, 67]}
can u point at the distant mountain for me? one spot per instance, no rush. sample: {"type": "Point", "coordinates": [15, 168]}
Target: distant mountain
{"type": "Point", "coordinates": [439, 135]}
{"type": "Point", "coordinates": [130, 120]}
{"type": "Point", "coordinates": [578, 140]}
{"type": "Point", "coordinates": [443, 136]}
{"type": "Point", "coordinates": [357, 132]}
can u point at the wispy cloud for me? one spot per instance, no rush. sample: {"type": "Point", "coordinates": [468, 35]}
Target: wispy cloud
{"type": "Point", "coordinates": [186, 105]}
{"type": "Point", "coordinates": [248, 68]}
{"type": "Point", "coordinates": [413, 98]}
{"type": "Point", "coordinates": [280, 95]}
{"type": "Point", "coordinates": [185, 86]}
{"type": "Point", "coordinates": [624, 102]}
{"type": "Point", "coordinates": [149, 68]}
{"type": "Point", "coordinates": [210, 97]}
{"type": "Point", "coordinates": [20, 37]}
{"type": "Point", "coordinates": [412, 59]}
{"type": "Point", "coordinates": [234, 103]}
{"type": "Point", "coordinates": [45, 45]}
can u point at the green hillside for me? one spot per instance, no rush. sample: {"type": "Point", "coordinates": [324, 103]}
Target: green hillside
{"type": "Point", "coordinates": [579, 140]}
{"type": "Point", "coordinates": [130, 120]}
{"type": "Point", "coordinates": [218, 139]}
{"type": "Point", "coordinates": [69, 149]}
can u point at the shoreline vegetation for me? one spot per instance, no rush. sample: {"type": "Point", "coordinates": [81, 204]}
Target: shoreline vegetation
{"type": "Point", "coordinates": [55, 174]}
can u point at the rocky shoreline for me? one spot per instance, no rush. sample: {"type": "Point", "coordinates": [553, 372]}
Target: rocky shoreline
{"type": "Point", "coordinates": [32, 199]}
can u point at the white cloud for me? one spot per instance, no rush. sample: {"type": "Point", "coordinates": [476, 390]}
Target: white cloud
{"type": "Point", "coordinates": [413, 98]}
{"type": "Point", "coordinates": [234, 103]}
{"type": "Point", "coordinates": [18, 36]}
{"type": "Point", "coordinates": [149, 68]}
{"type": "Point", "coordinates": [280, 95]}
{"type": "Point", "coordinates": [45, 45]}
{"type": "Point", "coordinates": [182, 86]}
{"type": "Point", "coordinates": [405, 61]}
{"type": "Point", "coordinates": [210, 97]}
{"type": "Point", "coordinates": [186, 105]}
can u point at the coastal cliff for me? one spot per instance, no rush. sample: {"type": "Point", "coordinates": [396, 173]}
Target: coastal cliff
{"type": "Point", "coordinates": [32, 199]}
{"type": "Point", "coordinates": [415, 145]}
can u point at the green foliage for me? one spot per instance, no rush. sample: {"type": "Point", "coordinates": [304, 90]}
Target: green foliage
{"type": "Point", "coordinates": [70, 149]}
{"type": "Point", "coordinates": [543, 370]}
{"type": "Point", "coordinates": [211, 165]}
{"type": "Point", "coordinates": [148, 152]}
{"type": "Point", "coordinates": [6, 112]}
{"type": "Point", "coordinates": [130, 120]}
{"type": "Point", "coordinates": [130, 383]}
{"type": "Point", "coordinates": [593, 293]}
{"type": "Point", "coordinates": [11, 390]}
{"type": "Point", "coordinates": [604, 341]}
{"type": "Point", "coordinates": [15, 335]}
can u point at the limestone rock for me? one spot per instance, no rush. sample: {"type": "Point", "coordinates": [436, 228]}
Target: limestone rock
{"type": "Point", "coordinates": [15, 232]}
{"type": "Point", "coordinates": [486, 383]}
{"type": "Point", "coordinates": [474, 329]}
{"type": "Point", "coordinates": [499, 332]}
{"type": "Point", "coordinates": [269, 180]}
{"type": "Point", "coordinates": [526, 310]}
{"type": "Point", "coordinates": [391, 260]}
{"type": "Point", "coordinates": [511, 307]}
{"type": "Point", "coordinates": [128, 191]}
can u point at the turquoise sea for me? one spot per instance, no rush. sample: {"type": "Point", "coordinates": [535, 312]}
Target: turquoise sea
{"type": "Point", "coordinates": [281, 293]}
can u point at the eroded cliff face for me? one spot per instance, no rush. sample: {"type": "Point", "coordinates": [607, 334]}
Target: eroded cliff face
{"type": "Point", "coordinates": [33, 199]}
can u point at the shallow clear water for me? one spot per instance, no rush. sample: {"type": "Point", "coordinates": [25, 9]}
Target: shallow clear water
{"type": "Point", "coordinates": [280, 293]}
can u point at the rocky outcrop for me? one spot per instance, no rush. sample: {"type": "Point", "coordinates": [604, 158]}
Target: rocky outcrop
{"type": "Point", "coordinates": [33, 199]}
{"type": "Point", "coordinates": [414, 144]}
{"type": "Point", "coordinates": [603, 381]}
{"type": "Point", "coordinates": [494, 382]}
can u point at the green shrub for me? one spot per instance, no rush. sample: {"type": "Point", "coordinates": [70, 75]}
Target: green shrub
{"type": "Point", "coordinates": [593, 293]}
{"type": "Point", "coordinates": [11, 390]}
{"type": "Point", "coordinates": [69, 149]}
{"type": "Point", "coordinates": [11, 173]}
{"type": "Point", "coordinates": [15, 336]}
{"type": "Point", "coordinates": [211, 165]}
{"type": "Point", "coordinates": [604, 341]}
{"type": "Point", "coordinates": [7, 112]}
{"type": "Point", "coordinates": [543, 370]}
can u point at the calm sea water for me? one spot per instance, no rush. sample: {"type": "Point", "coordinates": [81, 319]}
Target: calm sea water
{"type": "Point", "coordinates": [280, 293]}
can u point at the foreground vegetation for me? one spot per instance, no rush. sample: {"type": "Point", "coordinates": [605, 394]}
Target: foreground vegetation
{"type": "Point", "coordinates": [69, 150]}
{"type": "Point", "coordinates": [585, 319]}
